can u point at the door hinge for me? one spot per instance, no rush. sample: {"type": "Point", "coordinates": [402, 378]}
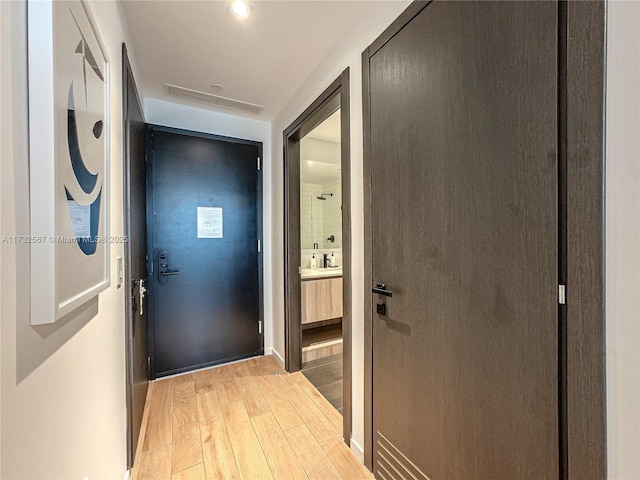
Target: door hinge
{"type": "Point", "coordinates": [259, 246]}
{"type": "Point", "coordinates": [260, 326]}
{"type": "Point", "coordinates": [299, 270]}
{"type": "Point", "coordinates": [562, 294]}
{"type": "Point", "coordinates": [258, 163]}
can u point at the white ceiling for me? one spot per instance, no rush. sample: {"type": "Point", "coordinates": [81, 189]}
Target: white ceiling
{"type": "Point", "coordinates": [329, 130]}
{"type": "Point", "coordinates": [263, 60]}
{"type": "Point", "coordinates": [320, 153]}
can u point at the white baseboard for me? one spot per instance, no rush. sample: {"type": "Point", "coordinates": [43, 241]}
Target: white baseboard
{"type": "Point", "coordinates": [278, 357]}
{"type": "Point", "coordinates": [357, 450]}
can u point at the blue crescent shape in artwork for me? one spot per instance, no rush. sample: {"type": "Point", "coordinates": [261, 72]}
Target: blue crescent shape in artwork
{"type": "Point", "coordinates": [85, 178]}
{"type": "Point", "coordinates": [87, 181]}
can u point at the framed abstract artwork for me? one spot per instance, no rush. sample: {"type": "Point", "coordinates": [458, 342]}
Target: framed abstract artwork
{"type": "Point", "coordinates": [68, 158]}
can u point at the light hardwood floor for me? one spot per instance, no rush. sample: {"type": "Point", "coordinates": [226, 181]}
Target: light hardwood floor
{"type": "Point", "coordinates": [240, 421]}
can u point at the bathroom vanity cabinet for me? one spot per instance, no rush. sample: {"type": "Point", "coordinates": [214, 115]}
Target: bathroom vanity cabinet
{"type": "Point", "coordinates": [321, 299]}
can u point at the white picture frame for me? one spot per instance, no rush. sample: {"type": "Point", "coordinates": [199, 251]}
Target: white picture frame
{"type": "Point", "coordinates": [69, 128]}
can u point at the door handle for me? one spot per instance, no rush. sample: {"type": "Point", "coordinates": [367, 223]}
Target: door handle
{"type": "Point", "coordinates": [142, 292]}
{"type": "Point", "coordinates": [381, 289]}
{"type": "Point", "coordinates": [163, 268]}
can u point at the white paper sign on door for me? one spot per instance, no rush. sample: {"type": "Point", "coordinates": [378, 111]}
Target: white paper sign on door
{"type": "Point", "coordinates": [209, 222]}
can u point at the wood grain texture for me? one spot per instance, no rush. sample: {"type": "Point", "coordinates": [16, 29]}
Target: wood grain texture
{"type": "Point", "coordinates": [193, 473]}
{"type": "Point", "coordinates": [586, 410]}
{"type": "Point", "coordinates": [219, 461]}
{"type": "Point", "coordinates": [228, 390]}
{"type": "Point", "coordinates": [253, 399]}
{"type": "Point", "coordinates": [345, 153]}
{"type": "Point", "coordinates": [279, 404]}
{"type": "Point", "coordinates": [463, 120]}
{"type": "Point", "coordinates": [250, 457]}
{"type": "Point", "coordinates": [321, 299]}
{"type": "Point", "coordinates": [311, 455]}
{"type": "Point", "coordinates": [322, 350]}
{"type": "Point", "coordinates": [224, 442]}
{"type": "Point", "coordinates": [282, 460]}
{"type": "Point", "coordinates": [346, 463]}
{"type": "Point", "coordinates": [368, 259]}
{"type": "Point", "coordinates": [323, 405]}
{"type": "Point", "coordinates": [319, 425]}
{"type": "Point", "coordinates": [208, 406]}
{"type": "Point", "coordinates": [204, 381]}
{"type": "Point", "coordinates": [258, 367]}
{"type": "Point", "coordinates": [297, 377]}
{"type": "Point", "coordinates": [158, 431]}
{"type": "Point", "coordinates": [155, 464]}
{"type": "Point", "coordinates": [185, 410]}
{"type": "Point", "coordinates": [186, 448]}
{"type": "Point", "coordinates": [142, 435]}
{"type": "Point", "coordinates": [292, 332]}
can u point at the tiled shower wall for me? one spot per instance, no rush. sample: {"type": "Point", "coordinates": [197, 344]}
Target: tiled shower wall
{"type": "Point", "coordinates": [310, 215]}
{"type": "Point", "coordinates": [332, 215]}
{"type": "Point", "coordinates": [319, 219]}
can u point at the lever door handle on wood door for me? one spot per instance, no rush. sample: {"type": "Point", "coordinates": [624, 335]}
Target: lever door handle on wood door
{"type": "Point", "coordinates": [381, 289]}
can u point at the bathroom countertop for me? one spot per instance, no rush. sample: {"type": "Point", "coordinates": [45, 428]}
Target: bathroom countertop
{"type": "Point", "coordinates": [316, 273]}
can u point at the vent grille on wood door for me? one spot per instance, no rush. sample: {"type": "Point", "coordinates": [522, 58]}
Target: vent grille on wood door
{"type": "Point", "coordinates": [392, 464]}
{"type": "Point", "coordinates": [211, 99]}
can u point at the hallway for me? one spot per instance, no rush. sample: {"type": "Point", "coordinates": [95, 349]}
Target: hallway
{"type": "Point", "coordinates": [242, 421]}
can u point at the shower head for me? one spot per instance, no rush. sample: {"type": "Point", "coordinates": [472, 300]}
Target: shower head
{"type": "Point", "coordinates": [324, 195]}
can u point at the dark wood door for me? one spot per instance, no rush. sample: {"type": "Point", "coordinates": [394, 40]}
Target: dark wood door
{"type": "Point", "coordinates": [135, 257]}
{"type": "Point", "coordinates": [464, 213]}
{"type": "Point", "coordinates": [206, 275]}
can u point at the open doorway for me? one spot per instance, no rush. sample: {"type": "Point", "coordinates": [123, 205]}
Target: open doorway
{"type": "Point", "coordinates": [321, 258]}
{"type": "Point", "coordinates": [317, 244]}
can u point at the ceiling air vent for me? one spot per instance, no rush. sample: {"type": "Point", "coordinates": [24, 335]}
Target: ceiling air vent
{"type": "Point", "coordinates": [210, 99]}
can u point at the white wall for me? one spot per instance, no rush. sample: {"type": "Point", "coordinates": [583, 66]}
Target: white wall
{"type": "Point", "coordinates": [62, 386]}
{"type": "Point", "coordinates": [161, 112]}
{"type": "Point", "coordinates": [623, 239]}
{"type": "Point", "coordinates": [4, 40]}
{"type": "Point", "coordinates": [346, 54]}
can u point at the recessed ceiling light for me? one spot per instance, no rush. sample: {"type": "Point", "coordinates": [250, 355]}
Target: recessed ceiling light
{"type": "Point", "coordinates": [241, 9]}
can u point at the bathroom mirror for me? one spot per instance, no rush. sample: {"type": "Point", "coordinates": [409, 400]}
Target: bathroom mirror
{"type": "Point", "coordinates": [320, 187]}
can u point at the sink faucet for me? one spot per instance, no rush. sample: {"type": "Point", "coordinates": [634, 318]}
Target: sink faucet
{"type": "Point", "coordinates": [326, 260]}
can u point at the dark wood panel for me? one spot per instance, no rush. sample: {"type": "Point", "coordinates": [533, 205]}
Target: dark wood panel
{"type": "Point", "coordinates": [135, 268]}
{"type": "Point", "coordinates": [586, 410]}
{"type": "Point", "coordinates": [398, 24]}
{"type": "Point", "coordinates": [292, 286]}
{"type": "Point", "coordinates": [463, 147]}
{"type": "Point", "coordinates": [345, 126]}
{"type": "Point", "coordinates": [368, 281]}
